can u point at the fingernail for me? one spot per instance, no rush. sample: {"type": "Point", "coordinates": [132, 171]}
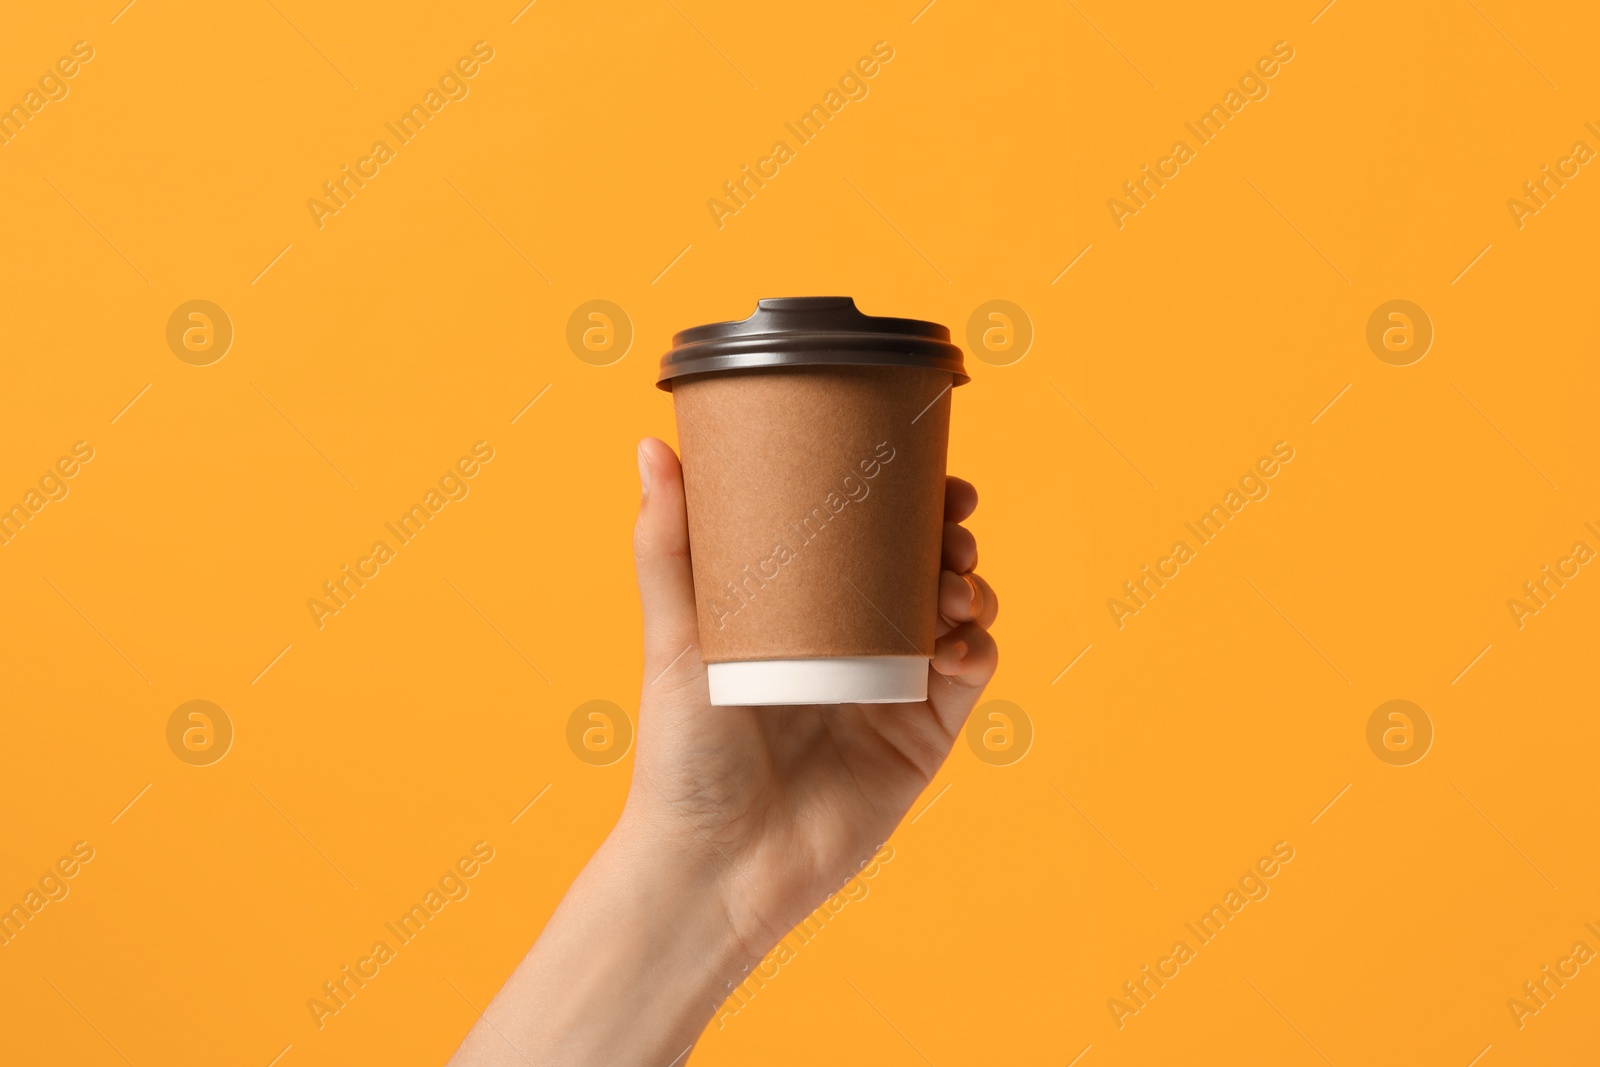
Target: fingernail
{"type": "Point", "coordinates": [958, 650]}
{"type": "Point", "coordinates": [977, 594]}
{"type": "Point", "coordinates": [644, 471]}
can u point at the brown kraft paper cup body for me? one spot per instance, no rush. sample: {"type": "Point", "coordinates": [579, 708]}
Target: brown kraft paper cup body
{"type": "Point", "coordinates": [816, 509]}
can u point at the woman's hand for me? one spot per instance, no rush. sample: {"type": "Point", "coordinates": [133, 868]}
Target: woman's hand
{"type": "Point", "coordinates": [739, 821]}
{"type": "Point", "coordinates": [785, 803]}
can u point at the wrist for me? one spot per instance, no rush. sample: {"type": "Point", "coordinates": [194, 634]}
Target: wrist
{"type": "Point", "coordinates": [629, 969]}
{"type": "Point", "coordinates": [714, 886]}
{"type": "Point", "coordinates": [657, 932]}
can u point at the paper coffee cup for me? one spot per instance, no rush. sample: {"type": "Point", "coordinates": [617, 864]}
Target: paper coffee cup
{"type": "Point", "coordinates": [813, 440]}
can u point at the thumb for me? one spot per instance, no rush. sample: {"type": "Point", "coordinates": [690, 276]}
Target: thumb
{"type": "Point", "coordinates": [661, 556]}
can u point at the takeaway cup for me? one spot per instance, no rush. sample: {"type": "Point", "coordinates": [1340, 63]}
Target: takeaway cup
{"type": "Point", "coordinates": [813, 441]}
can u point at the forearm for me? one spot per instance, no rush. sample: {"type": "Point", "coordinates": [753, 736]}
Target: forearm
{"type": "Point", "coordinates": [628, 970]}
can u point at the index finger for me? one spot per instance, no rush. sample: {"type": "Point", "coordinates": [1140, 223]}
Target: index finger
{"type": "Point", "coordinates": [960, 498]}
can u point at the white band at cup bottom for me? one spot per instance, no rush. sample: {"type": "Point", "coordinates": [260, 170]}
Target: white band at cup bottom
{"type": "Point", "coordinates": [836, 680]}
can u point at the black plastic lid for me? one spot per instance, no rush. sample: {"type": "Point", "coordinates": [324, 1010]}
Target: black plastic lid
{"type": "Point", "coordinates": [805, 331]}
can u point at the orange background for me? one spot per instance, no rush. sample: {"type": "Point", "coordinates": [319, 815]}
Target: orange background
{"type": "Point", "coordinates": [427, 313]}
